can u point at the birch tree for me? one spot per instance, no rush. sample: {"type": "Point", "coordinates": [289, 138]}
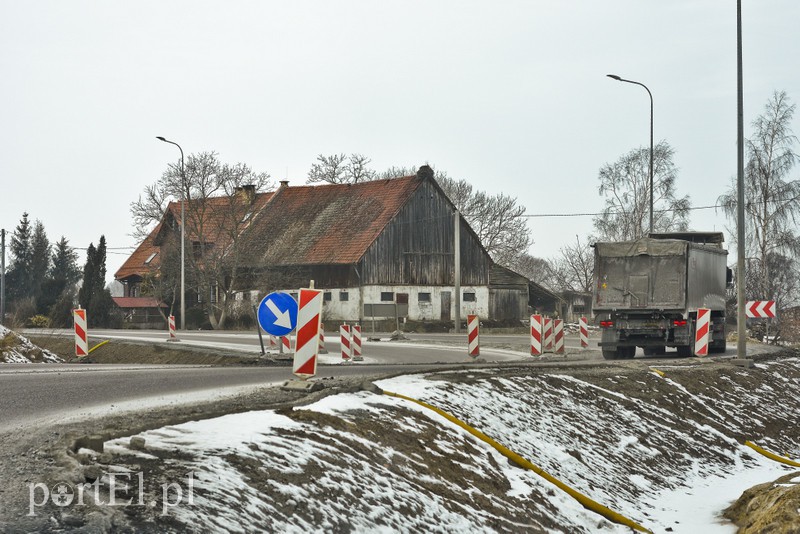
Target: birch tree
{"type": "Point", "coordinates": [772, 203]}
{"type": "Point", "coordinates": [625, 185]}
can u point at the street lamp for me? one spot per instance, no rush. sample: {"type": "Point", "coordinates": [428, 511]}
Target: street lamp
{"type": "Point", "coordinates": [183, 235]}
{"type": "Point", "coordinates": [615, 77]}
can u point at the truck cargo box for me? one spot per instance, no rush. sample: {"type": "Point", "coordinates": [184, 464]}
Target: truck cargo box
{"type": "Point", "coordinates": [659, 274]}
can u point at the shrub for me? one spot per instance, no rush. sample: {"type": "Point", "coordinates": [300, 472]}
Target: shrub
{"type": "Point", "coordinates": [38, 321]}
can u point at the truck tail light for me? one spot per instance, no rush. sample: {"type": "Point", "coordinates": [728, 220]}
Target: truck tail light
{"type": "Point", "coordinates": [606, 324]}
{"type": "Point", "coordinates": [679, 322]}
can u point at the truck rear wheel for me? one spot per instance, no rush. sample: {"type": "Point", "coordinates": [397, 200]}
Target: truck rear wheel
{"type": "Point", "coordinates": [718, 348]}
{"type": "Point", "coordinates": [610, 354]}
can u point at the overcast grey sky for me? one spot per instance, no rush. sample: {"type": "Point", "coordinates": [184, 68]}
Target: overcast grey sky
{"type": "Point", "coordinates": [510, 96]}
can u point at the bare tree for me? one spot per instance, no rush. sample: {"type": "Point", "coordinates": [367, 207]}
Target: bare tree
{"type": "Point", "coordinates": [341, 169]}
{"type": "Point", "coordinates": [219, 204]}
{"type": "Point", "coordinates": [497, 219]}
{"type": "Point", "coordinates": [574, 268]}
{"type": "Point", "coordinates": [773, 200]}
{"type": "Point", "coordinates": [537, 270]}
{"type": "Point", "coordinates": [625, 185]}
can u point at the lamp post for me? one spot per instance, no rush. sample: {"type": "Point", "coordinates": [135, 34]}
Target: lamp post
{"type": "Point", "coordinates": [183, 234]}
{"type": "Point", "coordinates": [615, 77]}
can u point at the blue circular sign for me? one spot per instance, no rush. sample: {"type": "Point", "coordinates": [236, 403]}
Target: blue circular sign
{"type": "Point", "coordinates": [277, 313]}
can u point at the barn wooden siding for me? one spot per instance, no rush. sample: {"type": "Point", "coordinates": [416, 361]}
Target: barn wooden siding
{"type": "Point", "coordinates": [508, 294]}
{"type": "Point", "coordinates": [416, 247]}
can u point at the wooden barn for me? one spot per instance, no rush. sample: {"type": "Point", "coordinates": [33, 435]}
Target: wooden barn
{"type": "Point", "coordinates": [378, 249]}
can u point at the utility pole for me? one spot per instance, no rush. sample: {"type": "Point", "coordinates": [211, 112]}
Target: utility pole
{"type": "Point", "coordinates": [457, 269]}
{"type": "Point", "coordinates": [741, 330]}
{"type": "Point", "coordinates": [3, 276]}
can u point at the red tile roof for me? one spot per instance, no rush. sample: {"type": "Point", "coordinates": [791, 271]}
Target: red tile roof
{"type": "Point", "coordinates": [211, 214]}
{"type": "Point", "coordinates": [138, 302]}
{"type": "Point", "coordinates": [302, 225]}
{"type": "Point", "coordinates": [326, 224]}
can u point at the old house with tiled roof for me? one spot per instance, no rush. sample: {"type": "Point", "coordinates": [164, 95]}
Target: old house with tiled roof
{"type": "Point", "coordinates": [376, 248]}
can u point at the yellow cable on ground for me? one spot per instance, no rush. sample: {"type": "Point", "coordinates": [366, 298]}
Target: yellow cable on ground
{"type": "Point", "coordinates": [770, 455]}
{"type": "Point", "coordinates": [99, 345]}
{"type": "Point", "coordinates": [659, 373]}
{"type": "Point", "coordinates": [522, 462]}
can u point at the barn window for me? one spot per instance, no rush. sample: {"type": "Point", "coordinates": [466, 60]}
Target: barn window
{"type": "Point", "coordinates": [387, 296]}
{"type": "Point", "coordinates": [469, 297]}
{"type": "Point", "coordinates": [327, 296]}
{"type": "Point", "coordinates": [424, 297]}
{"type": "Point", "coordinates": [344, 296]}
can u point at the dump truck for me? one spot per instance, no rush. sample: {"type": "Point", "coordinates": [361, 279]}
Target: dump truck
{"type": "Point", "coordinates": [647, 292]}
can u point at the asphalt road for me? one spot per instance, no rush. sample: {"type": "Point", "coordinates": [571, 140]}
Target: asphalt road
{"type": "Point", "coordinates": [41, 394]}
{"type": "Point", "coordinates": [418, 348]}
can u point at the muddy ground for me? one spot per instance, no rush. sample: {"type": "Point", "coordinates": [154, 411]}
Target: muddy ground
{"type": "Point", "coordinates": [48, 455]}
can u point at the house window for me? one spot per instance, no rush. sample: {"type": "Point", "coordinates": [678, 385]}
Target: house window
{"type": "Point", "coordinates": [327, 296]}
{"type": "Point", "coordinates": [150, 258]}
{"type": "Point", "coordinates": [344, 296]}
{"type": "Point", "coordinates": [387, 296]}
{"type": "Point", "coordinates": [424, 297]}
{"type": "Point", "coordinates": [469, 297]}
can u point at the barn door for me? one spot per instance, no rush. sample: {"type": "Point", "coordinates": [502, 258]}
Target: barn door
{"type": "Point", "coordinates": [445, 305]}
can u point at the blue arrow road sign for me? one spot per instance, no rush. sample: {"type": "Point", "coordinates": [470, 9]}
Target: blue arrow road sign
{"type": "Point", "coordinates": [277, 313]}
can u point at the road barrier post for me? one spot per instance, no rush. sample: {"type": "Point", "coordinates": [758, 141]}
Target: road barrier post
{"type": "Point", "coordinates": [344, 339]}
{"type": "Point", "coordinates": [558, 333]}
{"type": "Point", "coordinates": [584, 328]}
{"type": "Point", "coordinates": [702, 331]}
{"type": "Point", "coordinates": [536, 335]}
{"type": "Point", "coordinates": [356, 338]}
{"type": "Point", "coordinates": [473, 336]}
{"type": "Point", "coordinates": [81, 332]}
{"type": "Point", "coordinates": [548, 335]}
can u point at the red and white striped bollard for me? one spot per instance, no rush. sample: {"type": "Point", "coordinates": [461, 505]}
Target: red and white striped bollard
{"type": "Point", "coordinates": [536, 335]}
{"type": "Point", "coordinates": [306, 341]}
{"type": "Point", "coordinates": [702, 332]}
{"type": "Point", "coordinates": [473, 336]}
{"type": "Point", "coordinates": [356, 343]}
{"type": "Point", "coordinates": [344, 339]}
{"type": "Point", "coordinates": [322, 349]}
{"type": "Point", "coordinates": [81, 332]}
{"type": "Point", "coordinates": [558, 335]}
{"type": "Point", "coordinates": [584, 329]}
{"type": "Point", "coordinates": [547, 335]}
{"type": "Point", "coordinates": [171, 324]}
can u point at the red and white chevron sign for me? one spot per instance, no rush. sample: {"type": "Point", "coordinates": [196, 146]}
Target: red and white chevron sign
{"type": "Point", "coordinates": [760, 308]}
{"type": "Point", "coordinates": [306, 344]}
